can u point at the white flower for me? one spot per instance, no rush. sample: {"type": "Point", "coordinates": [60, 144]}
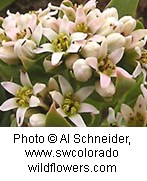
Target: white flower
{"type": "Point", "coordinates": [137, 116]}
{"type": "Point", "coordinates": [71, 104]}
{"type": "Point", "coordinates": [81, 70]}
{"type": "Point", "coordinates": [144, 92]}
{"type": "Point", "coordinates": [37, 120]}
{"type": "Point", "coordinates": [112, 120]}
{"type": "Point", "coordinates": [25, 96]}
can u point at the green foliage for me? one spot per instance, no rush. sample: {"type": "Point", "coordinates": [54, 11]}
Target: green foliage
{"type": "Point", "coordinates": [4, 3]}
{"type": "Point", "coordinates": [125, 7]}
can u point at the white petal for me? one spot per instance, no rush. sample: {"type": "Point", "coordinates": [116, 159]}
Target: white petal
{"type": "Point", "coordinates": [139, 34]}
{"type": "Point", "coordinates": [84, 92]}
{"type": "Point", "coordinates": [46, 47]}
{"type": "Point", "coordinates": [60, 111]}
{"type": "Point", "coordinates": [38, 87]}
{"type": "Point", "coordinates": [11, 87]}
{"type": "Point", "coordinates": [123, 72]}
{"type": "Point", "coordinates": [25, 80]}
{"type": "Point", "coordinates": [144, 91]}
{"type": "Point", "coordinates": [85, 107]}
{"type": "Point", "coordinates": [64, 25]}
{"type": "Point", "coordinates": [57, 97]}
{"type": "Point", "coordinates": [65, 85]}
{"type": "Point", "coordinates": [111, 116]}
{"type": "Point", "coordinates": [103, 49]}
{"type": "Point", "coordinates": [140, 106]}
{"type": "Point", "coordinates": [104, 80]}
{"type": "Point", "coordinates": [92, 62]}
{"type": "Point", "coordinates": [37, 34]}
{"type": "Point", "coordinates": [20, 114]}
{"type": "Point", "coordinates": [116, 56]}
{"type": "Point", "coordinates": [126, 112]}
{"type": "Point", "coordinates": [50, 34]}
{"type": "Point", "coordinates": [78, 36]}
{"type": "Point", "coordinates": [56, 57]}
{"type": "Point", "coordinates": [73, 48]}
{"type": "Point", "coordinates": [77, 120]}
{"type": "Point", "coordinates": [34, 101]}
{"type": "Point", "coordinates": [9, 104]}
{"type": "Point", "coordinates": [137, 70]}
{"type": "Point", "coordinates": [37, 120]}
{"type": "Point", "coordinates": [80, 16]}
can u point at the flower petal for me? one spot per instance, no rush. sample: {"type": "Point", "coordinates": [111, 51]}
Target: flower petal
{"type": "Point", "coordinates": [137, 70]}
{"type": "Point", "coordinates": [80, 16]}
{"type": "Point", "coordinates": [11, 87]}
{"type": "Point", "coordinates": [78, 36]}
{"type": "Point", "coordinates": [85, 107]}
{"type": "Point", "coordinates": [60, 111]}
{"type": "Point", "coordinates": [37, 120]}
{"type": "Point", "coordinates": [20, 114]}
{"type": "Point", "coordinates": [56, 57]}
{"type": "Point", "coordinates": [9, 104]}
{"type": "Point", "coordinates": [25, 80]}
{"type": "Point", "coordinates": [65, 85]}
{"type": "Point", "coordinates": [116, 56]}
{"type": "Point", "coordinates": [111, 116]}
{"type": "Point", "coordinates": [37, 34]}
{"type": "Point", "coordinates": [123, 72]}
{"type": "Point", "coordinates": [38, 87]}
{"type": "Point", "coordinates": [49, 34]}
{"type": "Point", "coordinates": [104, 80]}
{"type": "Point", "coordinates": [92, 62]}
{"type": "Point", "coordinates": [77, 120]}
{"type": "Point", "coordinates": [46, 47]}
{"type": "Point", "coordinates": [140, 106]}
{"type": "Point", "coordinates": [84, 92]}
{"type": "Point", "coordinates": [103, 49]}
{"type": "Point", "coordinates": [57, 97]}
{"type": "Point", "coordinates": [34, 101]}
{"type": "Point", "coordinates": [126, 112]}
{"type": "Point", "coordinates": [73, 48]}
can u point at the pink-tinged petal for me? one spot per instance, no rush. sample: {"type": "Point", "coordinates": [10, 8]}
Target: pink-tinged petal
{"type": "Point", "coordinates": [47, 47]}
{"type": "Point", "coordinates": [95, 24]}
{"type": "Point", "coordinates": [32, 23]}
{"type": "Point", "coordinates": [9, 105]}
{"type": "Point", "coordinates": [104, 80]}
{"type": "Point", "coordinates": [144, 91]}
{"type": "Point", "coordinates": [139, 34]}
{"type": "Point", "coordinates": [103, 49]}
{"type": "Point", "coordinates": [73, 48]}
{"type": "Point", "coordinates": [89, 5]}
{"type": "Point", "coordinates": [65, 85]}
{"type": "Point", "coordinates": [60, 111]}
{"type": "Point", "coordinates": [97, 38]}
{"type": "Point", "coordinates": [85, 107]}
{"type": "Point", "coordinates": [137, 70]}
{"type": "Point", "coordinates": [92, 62]}
{"type": "Point", "coordinates": [80, 16]}
{"type": "Point", "coordinates": [77, 120]}
{"type": "Point", "coordinates": [56, 57]}
{"type": "Point", "coordinates": [117, 55]}
{"type": "Point", "coordinates": [34, 101]}
{"type": "Point", "coordinates": [12, 34]}
{"type": "Point", "coordinates": [37, 34]}
{"type": "Point", "coordinates": [64, 25]}
{"type": "Point", "coordinates": [20, 114]}
{"type": "Point", "coordinates": [11, 87]}
{"type": "Point", "coordinates": [49, 34]}
{"type": "Point", "coordinates": [123, 72]}
{"type": "Point", "coordinates": [84, 92]}
{"type": "Point", "coordinates": [25, 80]}
{"type": "Point", "coordinates": [38, 87]}
{"type": "Point", "coordinates": [126, 112]}
{"type": "Point", "coordinates": [57, 97]}
{"type": "Point", "coordinates": [78, 36]}
{"type": "Point", "coordinates": [140, 106]}
{"type": "Point", "coordinates": [37, 120]}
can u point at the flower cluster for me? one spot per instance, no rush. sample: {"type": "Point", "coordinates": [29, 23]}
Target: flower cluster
{"type": "Point", "coordinates": [75, 53]}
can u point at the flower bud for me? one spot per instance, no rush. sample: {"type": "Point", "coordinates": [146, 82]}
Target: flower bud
{"type": "Point", "coordinates": [105, 92]}
{"type": "Point", "coordinates": [115, 41]}
{"type": "Point", "coordinates": [37, 120]}
{"type": "Point", "coordinates": [82, 71]}
{"type": "Point", "coordinates": [91, 49]}
{"type": "Point", "coordinates": [110, 12]}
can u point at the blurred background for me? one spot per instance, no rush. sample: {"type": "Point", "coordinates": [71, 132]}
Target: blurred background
{"type": "Point", "coordinates": [24, 6]}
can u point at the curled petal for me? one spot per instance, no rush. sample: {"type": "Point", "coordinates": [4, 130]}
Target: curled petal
{"type": "Point", "coordinates": [37, 34]}
{"type": "Point", "coordinates": [123, 72]}
{"type": "Point", "coordinates": [20, 114]}
{"type": "Point", "coordinates": [137, 70]}
{"type": "Point", "coordinates": [73, 48]}
{"type": "Point", "coordinates": [25, 80]}
{"type": "Point", "coordinates": [77, 120]}
{"type": "Point", "coordinates": [92, 62]}
{"type": "Point", "coordinates": [56, 57]}
{"type": "Point", "coordinates": [9, 105]}
{"type": "Point", "coordinates": [78, 36]}
{"type": "Point", "coordinates": [117, 55]}
{"type": "Point", "coordinates": [85, 107]}
{"type": "Point", "coordinates": [84, 92]}
{"type": "Point", "coordinates": [34, 101]}
{"type": "Point", "coordinates": [38, 87]}
{"type": "Point", "coordinates": [57, 97]}
{"type": "Point", "coordinates": [47, 47]}
{"type": "Point", "coordinates": [111, 116]}
{"type": "Point", "coordinates": [65, 85]}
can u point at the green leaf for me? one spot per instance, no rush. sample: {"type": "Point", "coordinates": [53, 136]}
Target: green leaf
{"type": "Point", "coordinates": [54, 119]}
{"type": "Point", "coordinates": [124, 7]}
{"type": "Point", "coordinates": [4, 4]}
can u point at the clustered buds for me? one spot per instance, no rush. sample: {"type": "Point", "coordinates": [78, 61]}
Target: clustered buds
{"type": "Point", "coordinates": [78, 53]}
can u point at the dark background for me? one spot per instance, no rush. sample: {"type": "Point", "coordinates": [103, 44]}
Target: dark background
{"type": "Point", "coordinates": [24, 6]}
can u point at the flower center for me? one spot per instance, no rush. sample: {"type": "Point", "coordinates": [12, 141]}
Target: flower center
{"type": "Point", "coordinates": [23, 96]}
{"type": "Point", "coordinates": [82, 28]}
{"type": "Point", "coordinates": [106, 66]}
{"type": "Point", "coordinates": [4, 37]}
{"type": "Point", "coordinates": [143, 59]}
{"type": "Point", "coordinates": [136, 121]}
{"type": "Point", "coordinates": [21, 34]}
{"type": "Point", "coordinates": [61, 43]}
{"type": "Point", "coordinates": [71, 104]}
